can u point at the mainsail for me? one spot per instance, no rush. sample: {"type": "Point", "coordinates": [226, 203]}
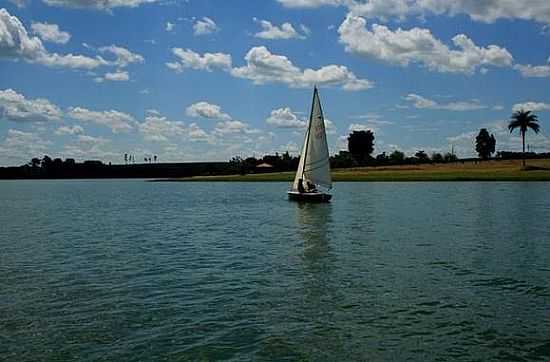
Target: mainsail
{"type": "Point", "coordinates": [314, 163]}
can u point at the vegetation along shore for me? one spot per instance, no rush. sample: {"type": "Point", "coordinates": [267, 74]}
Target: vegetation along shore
{"type": "Point", "coordinates": [492, 170]}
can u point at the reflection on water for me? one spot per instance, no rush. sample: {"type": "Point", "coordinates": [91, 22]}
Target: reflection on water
{"type": "Point", "coordinates": [314, 221]}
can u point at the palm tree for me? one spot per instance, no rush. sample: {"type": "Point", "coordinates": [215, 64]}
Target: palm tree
{"type": "Point", "coordinates": [523, 120]}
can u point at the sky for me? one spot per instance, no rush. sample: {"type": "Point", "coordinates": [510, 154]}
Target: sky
{"type": "Point", "coordinates": [207, 80]}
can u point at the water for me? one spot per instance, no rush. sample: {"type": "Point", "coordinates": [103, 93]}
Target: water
{"type": "Point", "coordinates": [131, 270]}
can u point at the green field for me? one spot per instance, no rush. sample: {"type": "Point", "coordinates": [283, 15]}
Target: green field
{"type": "Point", "coordinates": [509, 170]}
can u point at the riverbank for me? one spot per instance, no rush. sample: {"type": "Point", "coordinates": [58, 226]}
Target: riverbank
{"type": "Point", "coordinates": [502, 170]}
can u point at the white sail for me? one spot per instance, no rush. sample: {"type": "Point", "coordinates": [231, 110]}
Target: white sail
{"type": "Point", "coordinates": [314, 163]}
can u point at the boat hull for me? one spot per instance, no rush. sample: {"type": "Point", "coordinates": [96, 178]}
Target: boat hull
{"type": "Point", "coordinates": [309, 196]}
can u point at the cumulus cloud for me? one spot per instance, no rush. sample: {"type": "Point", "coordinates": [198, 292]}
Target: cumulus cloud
{"type": "Point", "coordinates": [204, 26]}
{"type": "Point", "coordinates": [117, 121]}
{"type": "Point", "coordinates": [157, 128]}
{"type": "Point", "coordinates": [361, 127]}
{"type": "Point", "coordinates": [459, 106]}
{"type": "Point", "coordinates": [15, 107]}
{"type": "Point", "coordinates": [98, 4]}
{"type": "Point", "coordinates": [207, 110]}
{"type": "Point", "coordinates": [19, 3]}
{"type": "Point", "coordinates": [531, 106]}
{"type": "Point", "coordinates": [284, 31]}
{"type": "Point", "coordinates": [285, 118]}
{"type": "Point", "coordinates": [51, 32]}
{"type": "Point", "coordinates": [118, 76]}
{"type": "Point", "coordinates": [170, 26]}
{"type": "Point", "coordinates": [310, 3]}
{"type": "Point", "coordinates": [231, 126]}
{"type": "Point", "coordinates": [533, 71]}
{"type": "Point", "coordinates": [123, 56]}
{"type": "Point", "coordinates": [16, 44]}
{"type": "Point", "coordinates": [418, 45]}
{"type": "Point", "coordinates": [68, 130]}
{"type": "Point", "coordinates": [484, 11]}
{"type": "Point", "coordinates": [20, 146]}
{"type": "Point", "coordinates": [264, 67]}
{"type": "Point", "coordinates": [187, 58]}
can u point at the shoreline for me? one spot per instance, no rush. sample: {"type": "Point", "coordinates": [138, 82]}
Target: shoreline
{"type": "Point", "coordinates": [494, 171]}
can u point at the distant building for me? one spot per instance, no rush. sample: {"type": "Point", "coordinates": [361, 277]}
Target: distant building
{"type": "Point", "coordinates": [264, 168]}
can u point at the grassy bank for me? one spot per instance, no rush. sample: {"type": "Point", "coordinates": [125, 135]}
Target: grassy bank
{"type": "Point", "coordinates": [508, 170]}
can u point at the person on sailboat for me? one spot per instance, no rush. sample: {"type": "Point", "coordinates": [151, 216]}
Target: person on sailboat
{"type": "Point", "coordinates": [301, 186]}
{"type": "Point", "coordinates": [311, 187]}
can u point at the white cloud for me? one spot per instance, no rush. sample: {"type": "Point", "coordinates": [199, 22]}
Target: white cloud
{"type": "Point", "coordinates": [118, 76]}
{"type": "Point", "coordinates": [310, 3]}
{"type": "Point", "coordinates": [230, 127]}
{"type": "Point", "coordinates": [207, 110]}
{"type": "Point", "coordinates": [459, 106]}
{"type": "Point", "coordinates": [490, 11]}
{"type": "Point", "coordinates": [195, 133]}
{"type": "Point", "coordinates": [123, 56]}
{"type": "Point", "coordinates": [97, 4]}
{"type": "Point", "coordinates": [170, 26]}
{"type": "Point", "coordinates": [51, 32]}
{"type": "Point", "coordinates": [533, 71]}
{"type": "Point", "coordinates": [160, 129]}
{"type": "Point", "coordinates": [15, 107]}
{"type": "Point", "coordinates": [531, 106]}
{"type": "Point", "coordinates": [19, 147]}
{"type": "Point", "coordinates": [361, 127]}
{"type": "Point", "coordinates": [19, 3]}
{"type": "Point", "coordinates": [264, 67]}
{"type": "Point", "coordinates": [485, 11]}
{"type": "Point", "coordinates": [205, 26]}
{"type": "Point", "coordinates": [68, 130]}
{"type": "Point", "coordinates": [117, 121]}
{"type": "Point", "coordinates": [285, 31]}
{"type": "Point", "coordinates": [15, 44]}
{"type": "Point", "coordinates": [418, 45]}
{"type": "Point", "coordinates": [157, 128]}
{"type": "Point", "coordinates": [285, 118]}
{"type": "Point", "coordinates": [189, 59]}
{"type": "Point", "coordinates": [87, 147]}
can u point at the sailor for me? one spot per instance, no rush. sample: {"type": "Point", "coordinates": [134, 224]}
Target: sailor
{"type": "Point", "coordinates": [311, 187]}
{"type": "Point", "coordinates": [301, 186]}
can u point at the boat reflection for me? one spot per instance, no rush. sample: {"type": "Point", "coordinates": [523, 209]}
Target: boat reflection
{"type": "Point", "coordinates": [314, 221]}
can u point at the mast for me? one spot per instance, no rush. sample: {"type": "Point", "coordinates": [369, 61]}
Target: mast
{"type": "Point", "coordinates": [309, 128]}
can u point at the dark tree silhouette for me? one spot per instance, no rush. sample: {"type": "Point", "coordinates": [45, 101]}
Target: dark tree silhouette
{"type": "Point", "coordinates": [450, 157]}
{"type": "Point", "coordinates": [361, 145]}
{"type": "Point", "coordinates": [35, 162]}
{"type": "Point", "coordinates": [524, 120]}
{"type": "Point", "coordinates": [485, 144]}
{"type": "Point", "coordinates": [397, 157]}
{"type": "Point", "coordinates": [422, 156]}
{"type": "Point", "coordinates": [437, 157]}
{"type": "Point", "coordinates": [46, 162]}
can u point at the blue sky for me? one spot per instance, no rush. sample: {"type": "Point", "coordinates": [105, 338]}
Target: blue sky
{"type": "Point", "coordinates": [211, 79]}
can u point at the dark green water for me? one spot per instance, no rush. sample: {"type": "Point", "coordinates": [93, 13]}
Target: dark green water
{"type": "Point", "coordinates": [130, 270]}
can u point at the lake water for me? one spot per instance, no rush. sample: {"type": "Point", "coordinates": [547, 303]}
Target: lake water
{"type": "Point", "coordinates": [132, 270]}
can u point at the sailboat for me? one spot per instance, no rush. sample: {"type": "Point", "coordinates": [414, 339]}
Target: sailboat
{"type": "Point", "coordinates": [313, 174]}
